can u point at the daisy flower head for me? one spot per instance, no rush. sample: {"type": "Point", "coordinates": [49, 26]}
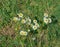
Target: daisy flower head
{"type": "Point", "coordinates": [34, 27]}
{"type": "Point", "coordinates": [23, 21]}
{"type": "Point", "coordinates": [20, 15]}
{"type": "Point", "coordinates": [23, 33]}
{"type": "Point", "coordinates": [46, 20]}
{"type": "Point", "coordinates": [34, 21]}
{"type": "Point", "coordinates": [37, 25]}
{"type": "Point", "coordinates": [16, 19]}
{"type": "Point", "coordinates": [49, 20]}
{"type": "Point", "coordinates": [45, 14]}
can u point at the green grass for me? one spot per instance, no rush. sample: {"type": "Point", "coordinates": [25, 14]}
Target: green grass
{"type": "Point", "coordinates": [9, 31]}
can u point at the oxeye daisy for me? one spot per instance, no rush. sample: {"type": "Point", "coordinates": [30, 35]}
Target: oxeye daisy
{"type": "Point", "coordinates": [49, 20]}
{"type": "Point", "coordinates": [16, 19]}
{"type": "Point", "coordinates": [20, 15]}
{"type": "Point", "coordinates": [34, 21]}
{"type": "Point", "coordinates": [24, 33]}
{"type": "Point", "coordinates": [23, 21]}
{"type": "Point", "coordinates": [45, 14]}
{"type": "Point", "coordinates": [46, 20]}
{"type": "Point", "coordinates": [36, 24]}
{"type": "Point", "coordinates": [34, 27]}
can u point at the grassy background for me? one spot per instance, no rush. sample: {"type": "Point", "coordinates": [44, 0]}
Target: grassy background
{"type": "Point", "coordinates": [9, 31]}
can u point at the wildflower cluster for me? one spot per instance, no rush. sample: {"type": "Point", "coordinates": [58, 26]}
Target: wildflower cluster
{"type": "Point", "coordinates": [20, 15]}
{"type": "Point", "coordinates": [33, 25]}
{"type": "Point", "coordinates": [47, 19]}
{"type": "Point", "coordinates": [27, 21]}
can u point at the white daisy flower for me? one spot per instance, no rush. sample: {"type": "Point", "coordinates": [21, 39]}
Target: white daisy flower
{"type": "Point", "coordinates": [34, 21]}
{"type": "Point", "coordinates": [46, 20]}
{"type": "Point", "coordinates": [23, 21]}
{"type": "Point", "coordinates": [20, 15]}
{"type": "Point", "coordinates": [50, 20]}
{"type": "Point", "coordinates": [16, 19]}
{"type": "Point", "coordinates": [34, 27]}
{"type": "Point", "coordinates": [37, 24]}
{"type": "Point", "coordinates": [24, 33]}
{"type": "Point", "coordinates": [45, 14]}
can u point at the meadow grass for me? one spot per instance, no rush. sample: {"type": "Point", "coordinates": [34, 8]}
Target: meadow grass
{"type": "Point", "coordinates": [45, 36]}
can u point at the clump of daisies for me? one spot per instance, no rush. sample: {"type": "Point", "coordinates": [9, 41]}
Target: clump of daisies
{"type": "Point", "coordinates": [23, 33]}
{"type": "Point", "coordinates": [20, 15]}
{"type": "Point", "coordinates": [47, 19]}
{"type": "Point", "coordinates": [35, 25]}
